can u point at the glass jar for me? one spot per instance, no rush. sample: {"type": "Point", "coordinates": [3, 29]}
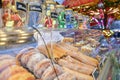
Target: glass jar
{"type": "Point", "coordinates": [68, 18]}
{"type": "Point", "coordinates": [50, 8]}
{"type": "Point", "coordinates": [35, 11]}
{"type": "Point", "coordinates": [60, 9]}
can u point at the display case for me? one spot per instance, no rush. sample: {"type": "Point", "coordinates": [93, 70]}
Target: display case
{"type": "Point", "coordinates": [60, 54]}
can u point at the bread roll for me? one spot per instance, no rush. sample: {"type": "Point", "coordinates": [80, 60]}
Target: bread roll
{"type": "Point", "coordinates": [78, 75]}
{"type": "Point", "coordinates": [66, 76]}
{"type": "Point", "coordinates": [11, 70]}
{"type": "Point", "coordinates": [41, 66]}
{"type": "Point", "coordinates": [50, 72]}
{"type": "Point", "coordinates": [34, 59]}
{"type": "Point", "coordinates": [22, 76]}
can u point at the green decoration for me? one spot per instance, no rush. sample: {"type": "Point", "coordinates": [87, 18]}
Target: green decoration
{"type": "Point", "coordinates": [61, 20]}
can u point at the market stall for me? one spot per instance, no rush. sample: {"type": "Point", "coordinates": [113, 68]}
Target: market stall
{"type": "Point", "coordinates": [45, 40]}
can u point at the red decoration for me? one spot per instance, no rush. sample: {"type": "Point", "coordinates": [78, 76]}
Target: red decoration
{"type": "Point", "coordinates": [74, 3]}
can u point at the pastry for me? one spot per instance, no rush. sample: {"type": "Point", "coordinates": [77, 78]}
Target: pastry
{"type": "Point", "coordinates": [2, 57]}
{"type": "Point", "coordinates": [6, 63]}
{"type": "Point", "coordinates": [23, 51]}
{"type": "Point", "coordinates": [87, 49]}
{"type": "Point", "coordinates": [22, 76]}
{"type": "Point", "coordinates": [66, 76]}
{"type": "Point", "coordinates": [11, 70]}
{"type": "Point", "coordinates": [77, 67]}
{"type": "Point", "coordinates": [41, 66]}
{"type": "Point", "coordinates": [78, 75]}
{"type": "Point", "coordinates": [34, 59]}
{"type": "Point", "coordinates": [51, 72]}
{"type": "Point", "coordinates": [83, 58]}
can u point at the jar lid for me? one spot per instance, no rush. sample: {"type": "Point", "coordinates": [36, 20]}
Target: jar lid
{"type": "Point", "coordinates": [59, 6]}
{"type": "Point", "coordinates": [50, 2]}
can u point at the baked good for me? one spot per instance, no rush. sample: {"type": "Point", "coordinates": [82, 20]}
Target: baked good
{"type": "Point", "coordinates": [41, 66]}
{"type": "Point", "coordinates": [87, 49]}
{"type": "Point", "coordinates": [22, 76]}
{"type": "Point", "coordinates": [2, 57]}
{"type": "Point", "coordinates": [43, 50]}
{"type": "Point", "coordinates": [83, 58]}
{"type": "Point", "coordinates": [6, 63]}
{"type": "Point", "coordinates": [69, 47]}
{"type": "Point", "coordinates": [67, 39]}
{"type": "Point", "coordinates": [66, 76]}
{"type": "Point", "coordinates": [85, 69]}
{"type": "Point", "coordinates": [51, 72]}
{"type": "Point", "coordinates": [24, 51]}
{"type": "Point", "coordinates": [84, 66]}
{"type": "Point", "coordinates": [34, 59]}
{"type": "Point", "coordinates": [78, 75]}
{"type": "Point", "coordinates": [11, 70]}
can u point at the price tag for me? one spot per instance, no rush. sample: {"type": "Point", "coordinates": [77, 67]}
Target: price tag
{"type": "Point", "coordinates": [95, 74]}
{"type": "Point", "coordinates": [54, 15]}
{"type": "Point", "coordinates": [102, 62]}
{"type": "Point", "coordinates": [37, 8]}
{"type": "Point", "coordinates": [21, 6]}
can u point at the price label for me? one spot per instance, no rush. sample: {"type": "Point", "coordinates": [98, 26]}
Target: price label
{"type": "Point", "coordinates": [54, 15]}
{"type": "Point", "coordinates": [21, 6]}
{"type": "Point", "coordinates": [37, 8]}
{"type": "Point", "coordinates": [102, 62]}
{"type": "Point", "coordinates": [95, 74]}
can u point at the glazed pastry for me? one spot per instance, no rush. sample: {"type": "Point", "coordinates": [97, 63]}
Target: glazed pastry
{"type": "Point", "coordinates": [22, 76]}
{"type": "Point", "coordinates": [43, 50]}
{"type": "Point", "coordinates": [2, 57]}
{"type": "Point", "coordinates": [11, 70]}
{"type": "Point", "coordinates": [34, 59]}
{"type": "Point", "coordinates": [50, 72]}
{"type": "Point", "coordinates": [41, 66]}
{"type": "Point", "coordinates": [25, 54]}
{"type": "Point", "coordinates": [6, 63]}
{"type": "Point", "coordinates": [23, 51]}
{"type": "Point", "coordinates": [66, 76]}
{"type": "Point", "coordinates": [78, 75]}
